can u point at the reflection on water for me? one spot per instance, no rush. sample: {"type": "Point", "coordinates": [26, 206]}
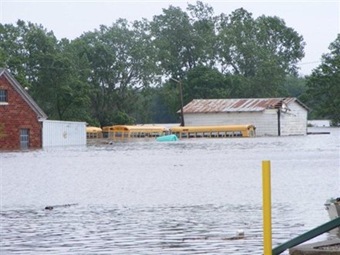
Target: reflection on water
{"type": "Point", "coordinates": [185, 197]}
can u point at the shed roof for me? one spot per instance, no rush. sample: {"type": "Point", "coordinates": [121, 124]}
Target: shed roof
{"type": "Point", "coordinates": [29, 100]}
{"type": "Point", "coordinates": [238, 105]}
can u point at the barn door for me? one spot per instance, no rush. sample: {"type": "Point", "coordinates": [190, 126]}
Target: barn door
{"type": "Point", "coordinates": [24, 138]}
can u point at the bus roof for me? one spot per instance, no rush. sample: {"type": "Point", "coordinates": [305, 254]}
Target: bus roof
{"type": "Point", "coordinates": [217, 128]}
{"type": "Point", "coordinates": [93, 129]}
{"type": "Point", "coordinates": [135, 128]}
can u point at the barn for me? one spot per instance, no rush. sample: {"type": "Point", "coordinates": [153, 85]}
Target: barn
{"type": "Point", "coordinates": [20, 117]}
{"type": "Point", "coordinates": [270, 116]}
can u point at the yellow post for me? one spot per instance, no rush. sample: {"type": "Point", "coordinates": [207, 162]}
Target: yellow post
{"type": "Point", "coordinates": [267, 217]}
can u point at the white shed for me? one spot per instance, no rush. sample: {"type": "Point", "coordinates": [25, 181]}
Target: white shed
{"type": "Point", "coordinates": [270, 116]}
{"type": "Point", "coordinates": [63, 133]}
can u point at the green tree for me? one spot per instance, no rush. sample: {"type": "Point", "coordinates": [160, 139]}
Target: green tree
{"type": "Point", "coordinates": [42, 64]}
{"type": "Point", "coordinates": [13, 52]}
{"type": "Point", "coordinates": [171, 31]}
{"type": "Point", "coordinates": [205, 83]}
{"type": "Point", "coordinates": [184, 40]}
{"type": "Point", "coordinates": [262, 50]}
{"type": "Point", "coordinates": [122, 63]}
{"type": "Point", "coordinates": [204, 34]}
{"type": "Point", "coordinates": [169, 98]}
{"type": "Point", "coordinates": [108, 76]}
{"type": "Point", "coordinates": [161, 109]}
{"type": "Point", "coordinates": [58, 82]}
{"type": "Point", "coordinates": [323, 85]}
{"type": "Point", "coordinates": [295, 86]}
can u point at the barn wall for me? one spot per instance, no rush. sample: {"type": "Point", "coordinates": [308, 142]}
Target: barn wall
{"type": "Point", "coordinates": [294, 121]}
{"type": "Point", "coordinates": [265, 122]}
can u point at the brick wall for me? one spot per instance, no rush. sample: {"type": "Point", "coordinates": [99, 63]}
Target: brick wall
{"type": "Point", "coordinates": [17, 114]}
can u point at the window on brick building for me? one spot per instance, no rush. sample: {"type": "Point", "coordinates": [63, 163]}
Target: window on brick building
{"type": "Point", "coordinates": [24, 138]}
{"type": "Point", "coordinates": [3, 96]}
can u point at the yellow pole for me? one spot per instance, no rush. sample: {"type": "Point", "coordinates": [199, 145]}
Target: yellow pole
{"type": "Point", "coordinates": [267, 218]}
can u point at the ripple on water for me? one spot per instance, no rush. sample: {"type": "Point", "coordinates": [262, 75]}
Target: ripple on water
{"type": "Point", "coordinates": [164, 198]}
{"type": "Point", "coordinates": [202, 229]}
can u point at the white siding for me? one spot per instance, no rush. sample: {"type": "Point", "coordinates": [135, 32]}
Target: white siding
{"type": "Point", "coordinates": [265, 122]}
{"type": "Point", "coordinates": [63, 133]}
{"type": "Point", "coordinates": [293, 122]}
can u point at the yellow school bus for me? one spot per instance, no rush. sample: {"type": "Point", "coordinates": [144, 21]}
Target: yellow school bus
{"type": "Point", "coordinates": [123, 132]}
{"type": "Point", "coordinates": [93, 132]}
{"type": "Point", "coordinates": [220, 131]}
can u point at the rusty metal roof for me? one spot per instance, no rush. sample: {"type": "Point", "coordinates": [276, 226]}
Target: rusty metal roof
{"type": "Point", "coordinates": [237, 105]}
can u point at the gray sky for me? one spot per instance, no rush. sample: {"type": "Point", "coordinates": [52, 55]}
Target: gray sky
{"type": "Point", "coordinates": [317, 21]}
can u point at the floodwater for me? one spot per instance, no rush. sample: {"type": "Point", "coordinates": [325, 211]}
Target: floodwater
{"type": "Point", "coordinates": [185, 197]}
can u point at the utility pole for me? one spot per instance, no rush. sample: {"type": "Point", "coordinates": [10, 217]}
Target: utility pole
{"type": "Point", "coordinates": [181, 98]}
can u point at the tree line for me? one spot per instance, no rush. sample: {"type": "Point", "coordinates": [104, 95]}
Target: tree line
{"type": "Point", "coordinates": [126, 73]}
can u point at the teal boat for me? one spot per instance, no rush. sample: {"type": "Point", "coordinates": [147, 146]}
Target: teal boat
{"type": "Point", "coordinates": [167, 138]}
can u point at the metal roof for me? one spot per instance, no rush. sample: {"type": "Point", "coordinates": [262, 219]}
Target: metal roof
{"type": "Point", "coordinates": [237, 105]}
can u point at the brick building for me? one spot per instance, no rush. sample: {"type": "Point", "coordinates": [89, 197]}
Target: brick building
{"type": "Point", "coordinates": [20, 117]}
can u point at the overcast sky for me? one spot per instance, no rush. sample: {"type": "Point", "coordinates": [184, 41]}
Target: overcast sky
{"type": "Point", "coordinates": [317, 21]}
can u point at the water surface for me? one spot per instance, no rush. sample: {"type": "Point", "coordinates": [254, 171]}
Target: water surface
{"type": "Point", "coordinates": [184, 197]}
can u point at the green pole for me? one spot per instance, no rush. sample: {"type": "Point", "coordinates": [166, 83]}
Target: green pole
{"type": "Point", "coordinates": [307, 236]}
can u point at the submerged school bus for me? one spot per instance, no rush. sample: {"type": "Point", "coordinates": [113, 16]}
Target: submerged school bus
{"type": "Point", "coordinates": [123, 132]}
{"type": "Point", "coordinates": [214, 131]}
{"type": "Point", "coordinates": [93, 132]}
{"type": "Point", "coordinates": [126, 132]}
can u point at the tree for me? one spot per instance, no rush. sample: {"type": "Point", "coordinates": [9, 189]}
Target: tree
{"type": "Point", "coordinates": [58, 82]}
{"type": "Point", "coordinates": [262, 50]}
{"type": "Point", "coordinates": [108, 76]}
{"type": "Point", "coordinates": [205, 83]}
{"type": "Point", "coordinates": [161, 112]}
{"type": "Point", "coordinates": [122, 63]}
{"type": "Point", "coordinates": [41, 63]}
{"type": "Point", "coordinates": [323, 85]}
{"type": "Point", "coordinates": [171, 32]}
{"type": "Point", "coordinates": [184, 41]}
{"type": "Point", "coordinates": [13, 52]}
{"type": "Point", "coordinates": [169, 96]}
{"type": "Point", "coordinates": [204, 34]}
{"type": "Point", "coordinates": [295, 86]}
